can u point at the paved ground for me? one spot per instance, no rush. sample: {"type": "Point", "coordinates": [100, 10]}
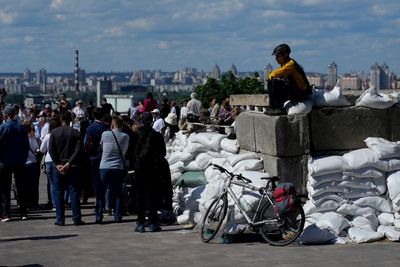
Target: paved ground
{"type": "Point", "coordinates": [37, 242]}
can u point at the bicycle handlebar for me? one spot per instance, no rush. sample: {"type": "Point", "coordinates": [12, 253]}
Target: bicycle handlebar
{"type": "Point", "coordinates": [238, 176]}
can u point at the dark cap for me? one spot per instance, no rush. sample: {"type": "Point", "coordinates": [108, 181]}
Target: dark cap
{"type": "Point", "coordinates": [9, 110]}
{"type": "Point", "coordinates": [147, 117]}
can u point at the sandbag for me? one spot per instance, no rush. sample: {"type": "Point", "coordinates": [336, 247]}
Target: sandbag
{"type": "Point", "coordinates": [313, 235]}
{"type": "Point", "coordinates": [175, 176]}
{"type": "Point", "coordinates": [326, 178]}
{"type": "Point", "coordinates": [371, 98]}
{"type": "Point", "coordinates": [385, 149]}
{"type": "Point", "coordinates": [393, 183]}
{"type": "Point", "coordinates": [229, 145]}
{"type": "Point", "coordinates": [315, 191]}
{"type": "Point", "coordinates": [249, 165]}
{"type": "Point", "coordinates": [374, 202]}
{"type": "Point", "coordinates": [191, 199]}
{"type": "Point", "coordinates": [233, 159]}
{"type": "Point", "coordinates": [364, 234]}
{"type": "Point", "coordinates": [255, 177]}
{"type": "Point", "coordinates": [333, 221]}
{"type": "Point", "coordinates": [386, 219]}
{"type": "Point", "coordinates": [329, 205]}
{"type": "Point", "coordinates": [195, 148]}
{"type": "Point", "coordinates": [192, 179]}
{"type": "Point", "coordinates": [326, 165]}
{"type": "Point", "coordinates": [390, 232]}
{"type": "Point", "coordinates": [364, 157]}
{"type": "Point", "coordinates": [209, 139]}
{"type": "Point", "coordinates": [369, 220]}
{"type": "Point", "coordinates": [332, 98]}
{"type": "Point", "coordinates": [202, 160]}
{"type": "Point", "coordinates": [298, 108]}
{"type": "Point", "coordinates": [354, 210]}
{"type": "Point", "coordinates": [366, 172]}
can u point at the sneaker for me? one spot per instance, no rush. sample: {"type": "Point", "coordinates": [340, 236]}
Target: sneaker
{"type": "Point", "coordinates": [53, 209]}
{"type": "Point", "coordinates": [274, 111]}
{"type": "Point", "coordinates": [57, 223]}
{"type": "Point", "coordinates": [140, 228]}
{"type": "Point", "coordinates": [5, 219]}
{"type": "Point", "coordinates": [24, 218]}
{"type": "Point", "coordinates": [154, 228]}
{"type": "Point", "coordinates": [109, 212]}
{"type": "Point", "coordinates": [79, 222]}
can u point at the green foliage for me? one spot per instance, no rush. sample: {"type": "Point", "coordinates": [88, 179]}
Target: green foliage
{"type": "Point", "coordinates": [228, 85]}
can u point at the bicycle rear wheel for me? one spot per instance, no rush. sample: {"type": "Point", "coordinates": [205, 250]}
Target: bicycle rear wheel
{"type": "Point", "coordinates": [283, 231]}
{"type": "Point", "coordinates": [213, 218]}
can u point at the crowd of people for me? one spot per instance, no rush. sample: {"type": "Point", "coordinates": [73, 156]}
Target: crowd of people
{"type": "Point", "coordinates": [87, 151]}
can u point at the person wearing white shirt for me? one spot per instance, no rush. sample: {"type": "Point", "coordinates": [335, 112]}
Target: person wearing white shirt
{"type": "Point", "coordinates": [158, 122]}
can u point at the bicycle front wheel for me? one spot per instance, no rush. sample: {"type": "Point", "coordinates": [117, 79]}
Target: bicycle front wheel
{"type": "Point", "coordinates": [283, 231]}
{"type": "Point", "coordinates": [213, 218]}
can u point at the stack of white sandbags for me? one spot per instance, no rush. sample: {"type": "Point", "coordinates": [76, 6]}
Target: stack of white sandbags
{"type": "Point", "coordinates": [330, 98]}
{"type": "Point", "coordinates": [371, 98]}
{"type": "Point", "coordinates": [348, 194]}
{"type": "Point", "coordinates": [195, 153]}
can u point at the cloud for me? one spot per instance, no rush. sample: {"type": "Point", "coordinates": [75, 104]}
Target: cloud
{"type": "Point", "coordinates": [382, 10]}
{"type": "Point", "coordinates": [61, 17]}
{"type": "Point", "coordinates": [114, 31]}
{"type": "Point", "coordinates": [28, 39]}
{"type": "Point", "coordinates": [217, 10]}
{"type": "Point", "coordinates": [6, 18]}
{"type": "Point", "coordinates": [163, 45]}
{"type": "Point", "coordinates": [140, 24]}
{"type": "Point", "coordinates": [273, 14]}
{"type": "Point", "coordinates": [56, 4]}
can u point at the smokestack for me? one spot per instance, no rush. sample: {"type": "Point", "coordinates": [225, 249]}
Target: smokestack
{"type": "Point", "coordinates": [76, 71]}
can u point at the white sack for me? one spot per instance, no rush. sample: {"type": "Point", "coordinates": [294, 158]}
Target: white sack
{"type": "Point", "coordinates": [326, 165]}
{"type": "Point", "coordinates": [369, 220]}
{"type": "Point", "coordinates": [318, 200]}
{"type": "Point", "coordinates": [376, 185]}
{"type": "Point", "coordinates": [397, 223]}
{"type": "Point", "coordinates": [353, 193]}
{"type": "Point", "coordinates": [393, 182]}
{"type": "Point", "coordinates": [229, 145]}
{"type": "Point", "coordinates": [192, 148]}
{"type": "Point", "coordinates": [249, 165]}
{"type": "Point", "coordinates": [333, 221]}
{"type": "Point", "coordinates": [332, 98]}
{"type": "Point", "coordinates": [202, 160]}
{"type": "Point", "coordinates": [377, 203]}
{"type": "Point", "coordinates": [190, 167]}
{"type": "Point", "coordinates": [326, 178]}
{"type": "Point", "coordinates": [329, 205]}
{"type": "Point", "coordinates": [384, 148]}
{"type": "Point", "coordinates": [315, 191]}
{"type": "Point", "coordinates": [255, 177]}
{"type": "Point", "coordinates": [390, 232]}
{"type": "Point", "coordinates": [175, 176]}
{"type": "Point", "coordinates": [209, 139]}
{"type": "Point", "coordinates": [371, 98]}
{"type": "Point", "coordinates": [313, 235]}
{"type": "Point", "coordinates": [233, 159]}
{"type": "Point", "coordinates": [298, 108]}
{"type": "Point", "coordinates": [354, 210]}
{"type": "Point", "coordinates": [364, 234]}
{"type": "Point", "coordinates": [176, 167]}
{"type": "Point", "coordinates": [367, 172]}
{"type": "Point", "coordinates": [364, 157]}
{"type": "Point", "coordinates": [386, 219]}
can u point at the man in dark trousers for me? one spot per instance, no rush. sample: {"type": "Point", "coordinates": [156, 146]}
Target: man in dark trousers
{"type": "Point", "coordinates": [288, 82]}
{"type": "Point", "coordinates": [149, 153]}
{"type": "Point", "coordinates": [65, 147]}
{"type": "Point", "coordinates": [14, 148]}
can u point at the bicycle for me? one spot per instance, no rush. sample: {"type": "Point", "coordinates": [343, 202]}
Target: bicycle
{"type": "Point", "coordinates": [275, 229]}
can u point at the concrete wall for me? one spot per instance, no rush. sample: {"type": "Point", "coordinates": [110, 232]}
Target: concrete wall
{"type": "Point", "coordinates": [286, 142]}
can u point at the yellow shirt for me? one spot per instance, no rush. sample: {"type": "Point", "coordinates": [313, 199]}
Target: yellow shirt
{"type": "Point", "coordinates": [289, 69]}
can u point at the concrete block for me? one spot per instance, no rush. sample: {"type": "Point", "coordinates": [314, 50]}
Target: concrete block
{"type": "Point", "coordinates": [249, 100]}
{"type": "Point", "coordinates": [290, 169]}
{"type": "Point", "coordinates": [245, 133]}
{"type": "Point", "coordinates": [395, 123]}
{"type": "Point", "coordinates": [347, 128]}
{"type": "Point", "coordinates": [282, 136]}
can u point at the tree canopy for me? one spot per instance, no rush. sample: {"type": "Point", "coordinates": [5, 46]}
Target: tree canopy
{"type": "Point", "coordinates": [228, 85]}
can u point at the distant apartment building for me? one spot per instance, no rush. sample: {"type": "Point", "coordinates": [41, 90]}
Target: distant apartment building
{"type": "Point", "coordinates": [216, 73]}
{"type": "Point", "coordinates": [27, 75]}
{"type": "Point", "coordinates": [316, 79]}
{"type": "Point", "coordinates": [233, 69]}
{"type": "Point", "coordinates": [332, 75]}
{"type": "Point", "coordinates": [350, 82]}
{"type": "Point", "coordinates": [41, 76]}
{"type": "Point", "coordinates": [380, 76]}
{"type": "Point", "coordinates": [104, 86]}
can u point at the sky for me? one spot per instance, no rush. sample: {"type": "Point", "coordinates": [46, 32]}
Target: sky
{"type": "Point", "coordinates": [128, 35]}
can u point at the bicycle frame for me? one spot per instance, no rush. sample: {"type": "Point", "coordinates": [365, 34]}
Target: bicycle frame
{"type": "Point", "coordinates": [250, 221]}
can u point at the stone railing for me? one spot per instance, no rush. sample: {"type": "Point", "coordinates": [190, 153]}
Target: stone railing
{"type": "Point", "coordinates": [256, 103]}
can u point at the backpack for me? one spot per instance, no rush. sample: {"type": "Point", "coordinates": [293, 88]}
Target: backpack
{"type": "Point", "coordinates": [285, 197]}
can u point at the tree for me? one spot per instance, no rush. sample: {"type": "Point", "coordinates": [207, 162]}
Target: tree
{"type": "Point", "coordinates": [228, 85]}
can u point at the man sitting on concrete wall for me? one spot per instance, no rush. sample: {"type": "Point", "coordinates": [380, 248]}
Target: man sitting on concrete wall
{"type": "Point", "coordinates": [288, 82]}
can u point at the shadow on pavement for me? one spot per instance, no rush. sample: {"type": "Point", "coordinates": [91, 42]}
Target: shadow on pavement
{"type": "Point", "coordinates": [33, 238]}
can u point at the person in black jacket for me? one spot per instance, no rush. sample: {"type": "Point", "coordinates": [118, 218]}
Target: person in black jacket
{"type": "Point", "coordinates": [149, 153]}
{"type": "Point", "coordinates": [65, 147]}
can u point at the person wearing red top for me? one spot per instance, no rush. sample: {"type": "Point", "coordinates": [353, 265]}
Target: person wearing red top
{"type": "Point", "coordinates": [149, 103]}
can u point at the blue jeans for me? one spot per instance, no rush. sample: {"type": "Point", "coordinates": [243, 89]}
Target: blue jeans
{"type": "Point", "coordinates": [112, 179]}
{"type": "Point", "coordinates": [97, 183]}
{"type": "Point", "coordinates": [70, 182]}
{"type": "Point", "coordinates": [50, 177]}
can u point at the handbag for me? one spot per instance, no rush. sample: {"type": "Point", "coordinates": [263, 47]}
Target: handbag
{"type": "Point", "coordinates": [120, 153]}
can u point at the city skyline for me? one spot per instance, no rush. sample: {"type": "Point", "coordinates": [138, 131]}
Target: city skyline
{"type": "Point", "coordinates": [120, 35]}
